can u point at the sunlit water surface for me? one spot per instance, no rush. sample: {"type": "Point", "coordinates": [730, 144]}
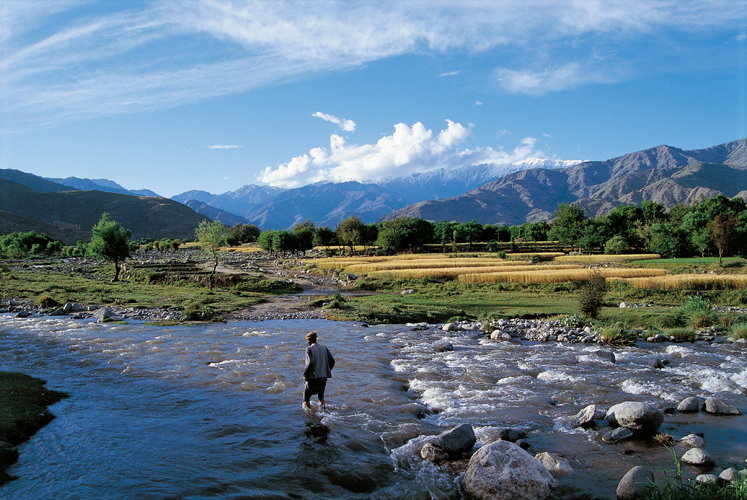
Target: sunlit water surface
{"type": "Point", "coordinates": [214, 411]}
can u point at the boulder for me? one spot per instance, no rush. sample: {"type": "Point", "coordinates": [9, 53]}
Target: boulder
{"type": "Point", "coordinates": [24, 314]}
{"type": "Point", "coordinates": [698, 456]}
{"type": "Point", "coordinates": [655, 363]}
{"type": "Point", "coordinates": [450, 327]}
{"type": "Point", "coordinates": [407, 291]}
{"type": "Point", "coordinates": [713, 405]}
{"type": "Point", "coordinates": [443, 347]}
{"type": "Point", "coordinates": [691, 404]}
{"type": "Point", "coordinates": [556, 465]}
{"type": "Point", "coordinates": [102, 314]}
{"type": "Point", "coordinates": [510, 435]}
{"type": "Point", "coordinates": [431, 452]}
{"type": "Point", "coordinates": [728, 475]}
{"type": "Point", "coordinates": [708, 479]}
{"type": "Point", "coordinates": [605, 355]}
{"type": "Point", "coordinates": [693, 441]}
{"type": "Point", "coordinates": [635, 416]}
{"type": "Point", "coordinates": [456, 440]}
{"type": "Point", "coordinates": [636, 483]}
{"type": "Point", "coordinates": [623, 305]}
{"type": "Point", "coordinates": [500, 335]}
{"type": "Point", "coordinates": [620, 434]}
{"type": "Point", "coordinates": [588, 416]}
{"type": "Point", "coordinates": [503, 471]}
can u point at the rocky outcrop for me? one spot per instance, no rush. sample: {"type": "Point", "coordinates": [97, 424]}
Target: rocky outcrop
{"type": "Point", "coordinates": [635, 484]}
{"type": "Point", "coordinates": [503, 471]}
{"type": "Point", "coordinates": [635, 416]}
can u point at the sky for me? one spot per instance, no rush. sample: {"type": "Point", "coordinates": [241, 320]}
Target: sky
{"type": "Point", "coordinates": [176, 95]}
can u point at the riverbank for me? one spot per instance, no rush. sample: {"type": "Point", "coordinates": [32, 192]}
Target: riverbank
{"type": "Point", "coordinates": [23, 411]}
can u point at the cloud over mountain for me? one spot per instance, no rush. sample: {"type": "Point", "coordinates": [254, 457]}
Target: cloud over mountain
{"type": "Point", "coordinates": [407, 151]}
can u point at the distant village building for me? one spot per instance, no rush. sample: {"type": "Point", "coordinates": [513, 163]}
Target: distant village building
{"type": "Point", "coordinates": [65, 225]}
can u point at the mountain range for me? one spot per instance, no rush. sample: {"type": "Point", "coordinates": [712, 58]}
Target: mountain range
{"type": "Point", "coordinates": [662, 174]}
{"type": "Point", "coordinates": [328, 203]}
{"type": "Point", "coordinates": [29, 202]}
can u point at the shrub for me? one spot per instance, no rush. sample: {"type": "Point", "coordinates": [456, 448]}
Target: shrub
{"type": "Point", "coordinates": [739, 332]}
{"type": "Point", "coordinates": [615, 245]}
{"type": "Point", "coordinates": [47, 301]}
{"type": "Point", "coordinates": [619, 335]}
{"type": "Point", "coordinates": [337, 302]}
{"type": "Point", "coordinates": [572, 321]}
{"type": "Point", "coordinates": [501, 254]}
{"type": "Point", "coordinates": [198, 312]}
{"type": "Point", "coordinates": [591, 294]}
{"type": "Point", "coordinates": [682, 334]}
{"type": "Point", "coordinates": [701, 320]}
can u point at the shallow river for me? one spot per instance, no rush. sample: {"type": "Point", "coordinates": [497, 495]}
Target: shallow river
{"type": "Point", "coordinates": [214, 411]}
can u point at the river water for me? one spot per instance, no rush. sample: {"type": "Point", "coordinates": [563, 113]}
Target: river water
{"type": "Point", "coordinates": [214, 411]}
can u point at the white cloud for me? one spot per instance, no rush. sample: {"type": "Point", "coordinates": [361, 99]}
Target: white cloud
{"type": "Point", "coordinates": [407, 151]}
{"type": "Point", "coordinates": [72, 59]}
{"type": "Point", "coordinates": [547, 135]}
{"type": "Point", "coordinates": [543, 80]}
{"type": "Point", "coordinates": [345, 124]}
{"type": "Point", "coordinates": [450, 73]}
{"type": "Point", "coordinates": [224, 146]}
{"type": "Point", "coordinates": [478, 103]}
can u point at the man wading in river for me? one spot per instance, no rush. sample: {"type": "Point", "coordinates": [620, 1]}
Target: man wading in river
{"type": "Point", "coordinates": [319, 364]}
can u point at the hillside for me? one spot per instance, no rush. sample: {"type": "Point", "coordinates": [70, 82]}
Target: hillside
{"type": "Point", "coordinates": [213, 213]}
{"type": "Point", "coordinates": [146, 217]}
{"type": "Point", "coordinates": [663, 174]}
{"type": "Point", "coordinates": [100, 185]}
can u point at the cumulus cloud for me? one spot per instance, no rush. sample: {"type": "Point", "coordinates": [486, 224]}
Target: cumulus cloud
{"type": "Point", "coordinates": [408, 150]}
{"type": "Point", "coordinates": [224, 146]}
{"type": "Point", "coordinates": [345, 124]}
{"type": "Point", "coordinates": [139, 56]}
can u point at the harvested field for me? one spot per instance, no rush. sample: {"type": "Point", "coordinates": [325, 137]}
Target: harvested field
{"type": "Point", "coordinates": [431, 264]}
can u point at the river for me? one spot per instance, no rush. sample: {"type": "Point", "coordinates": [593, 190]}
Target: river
{"type": "Point", "coordinates": [214, 411]}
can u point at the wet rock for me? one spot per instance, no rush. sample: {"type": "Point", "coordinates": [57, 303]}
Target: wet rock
{"type": "Point", "coordinates": [740, 343]}
{"type": "Point", "coordinates": [708, 479]}
{"type": "Point", "coordinates": [714, 405]}
{"type": "Point", "coordinates": [24, 314]}
{"type": "Point", "coordinates": [606, 355]}
{"type": "Point", "coordinates": [588, 416]}
{"type": "Point", "coordinates": [500, 335]}
{"type": "Point", "coordinates": [635, 416]}
{"type": "Point", "coordinates": [450, 327]}
{"type": "Point", "coordinates": [503, 471]}
{"type": "Point", "coordinates": [693, 441]}
{"type": "Point", "coordinates": [691, 404]}
{"type": "Point", "coordinates": [510, 435]}
{"type": "Point", "coordinates": [443, 347]}
{"type": "Point", "coordinates": [523, 444]}
{"type": "Point", "coordinates": [456, 440]}
{"type": "Point", "coordinates": [431, 452]}
{"type": "Point", "coordinates": [699, 457]}
{"type": "Point", "coordinates": [655, 363]}
{"type": "Point", "coordinates": [728, 475]}
{"type": "Point", "coordinates": [620, 434]}
{"type": "Point", "coordinates": [556, 465]}
{"type": "Point", "coordinates": [57, 312]}
{"type": "Point", "coordinates": [635, 484]}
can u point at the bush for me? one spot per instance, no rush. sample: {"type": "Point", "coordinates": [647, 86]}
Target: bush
{"type": "Point", "coordinates": [615, 245]}
{"type": "Point", "coordinates": [696, 311]}
{"type": "Point", "coordinates": [701, 320]}
{"type": "Point", "coordinates": [591, 294]}
{"type": "Point", "coordinates": [198, 312]}
{"type": "Point", "coordinates": [502, 255]}
{"type": "Point", "coordinates": [739, 332]}
{"type": "Point", "coordinates": [682, 334]}
{"type": "Point", "coordinates": [572, 321]}
{"type": "Point", "coordinates": [47, 301]}
{"type": "Point", "coordinates": [619, 335]}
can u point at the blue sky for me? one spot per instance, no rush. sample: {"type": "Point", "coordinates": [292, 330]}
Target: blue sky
{"type": "Point", "coordinates": [214, 94]}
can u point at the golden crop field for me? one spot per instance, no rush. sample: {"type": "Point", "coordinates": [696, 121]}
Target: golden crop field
{"type": "Point", "coordinates": [593, 259]}
{"type": "Point", "coordinates": [446, 272]}
{"type": "Point", "coordinates": [692, 282]}
{"type": "Point", "coordinates": [430, 264]}
{"type": "Point", "coordinates": [545, 275]}
{"type": "Point", "coordinates": [529, 255]}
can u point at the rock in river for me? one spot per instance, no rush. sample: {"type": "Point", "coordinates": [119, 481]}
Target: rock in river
{"type": "Point", "coordinates": [713, 405]}
{"type": "Point", "coordinates": [698, 456]}
{"type": "Point", "coordinates": [636, 483]}
{"type": "Point", "coordinates": [635, 416]}
{"type": "Point", "coordinates": [503, 471]}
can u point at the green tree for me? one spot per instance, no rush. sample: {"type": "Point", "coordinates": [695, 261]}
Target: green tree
{"type": "Point", "coordinates": [616, 245]}
{"type": "Point", "coordinates": [242, 233]}
{"type": "Point", "coordinates": [695, 225]}
{"type": "Point", "coordinates": [265, 240]}
{"type": "Point", "coordinates": [443, 233]}
{"type": "Point", "coordinates": [350, 232]}
{"type": "Point", "coordinates": [568, 225]}
{"type": "Point", "coordinates": [323, 237]}
{"type": "Point", "coordinates": [284, 241]}
{"type": "Point", "coordinates": [723, 232]}
{"type": "Point", "coordinates": [109, 242]}
{"type": "Point", "coordinates": [389, 239]}
{"type": "Point", "coordinates": [666, 240]}
{"type": "Point", "coordinates": [212, 236]}
{"type": "Point", "coordinates": [304, 233]}
{"type": "Point", "coordinates": [471, 232]}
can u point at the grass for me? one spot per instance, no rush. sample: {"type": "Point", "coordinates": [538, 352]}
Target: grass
{"type": "Point", "coordinates": [692, 282]}
{"type": "Point", "coordinates": [618, 334]}
{"type": "Point", "coordinates": [739, 332]}
{"type": "Point", "coordinates": [545, 275]}
{"type": "Point", "coordinates": [594, 259]}
{"type": "Point", "coordinates": [678, 488]}
{"type": "Point", "coordinates": [460, 272]}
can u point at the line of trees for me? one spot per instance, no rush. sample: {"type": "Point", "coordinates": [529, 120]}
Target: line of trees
{"type": "Point", "coordinates": [714, 226]}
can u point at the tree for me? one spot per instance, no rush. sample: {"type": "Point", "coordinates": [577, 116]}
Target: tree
{"type": "Point", "coordinates": [723, 232]}
{"type": "Point", "coordinates": [443, 232]}
{"type": "Point", "coordinates": [304, 233]}
{"type": "Point", "coordinates": [323, 237]}
{"type": "Point", "coordinates": [109, 241]}
{"type": "Point", "coordinates": [349, 232]}
{"type": "Point", "coordinates": [212, 236]}
{"type": "Point", "coordinates": [569, 223]}
{"type": "Point", "coordinates": [615, 245]}
{"type": "Point", "coordinates": [242, 233]}
{"type": "Point", "coordinates": [695, 224]}
{"type": "Point", "coordinates": [389, 238]}
{"type": "Point", "coordinates": [666, 240]}
{"type": "Point", "coordinates": [591, 294]}
{"type": "Point", "coordinates": [265, 240]}
{"type": "Point", "coordinates": [471, 232]}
